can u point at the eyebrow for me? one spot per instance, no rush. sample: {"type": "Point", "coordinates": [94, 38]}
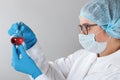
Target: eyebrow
{"type": "Point", "coordinates": [90, 24]}
{"type": "Point", "coordinates": [85, 23]}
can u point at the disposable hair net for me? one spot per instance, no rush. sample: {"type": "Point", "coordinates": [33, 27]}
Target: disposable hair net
{"type": "Point", "coordinates": [106, 13]}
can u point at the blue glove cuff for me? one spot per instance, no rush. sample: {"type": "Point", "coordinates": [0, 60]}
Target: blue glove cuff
{"type": "Point", "coordinates": [36, 74]}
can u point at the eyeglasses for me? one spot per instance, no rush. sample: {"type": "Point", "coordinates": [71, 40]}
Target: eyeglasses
{"type": "Point", "coordinates": [85, 28]}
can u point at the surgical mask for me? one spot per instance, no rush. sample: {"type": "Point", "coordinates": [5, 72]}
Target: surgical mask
{"type": "Point", "coordinates": [88, 42]}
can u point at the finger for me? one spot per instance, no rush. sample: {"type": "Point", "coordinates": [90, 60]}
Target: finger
{"type": "Point", "coordinates": [15, 56]}
{"type": "Point", "coordinates": [22, 51]}
{"type": "Point", "coordinates": [24, 27]}
{"type": "Point", "coordinates": [13, 29]}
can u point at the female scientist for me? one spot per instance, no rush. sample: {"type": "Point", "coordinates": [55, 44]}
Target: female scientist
{"type": "Point", "coordinates": [99, 36]}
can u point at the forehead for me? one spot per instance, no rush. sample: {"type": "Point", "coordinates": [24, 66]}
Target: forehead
{"type": "Point", "coordinates": [85, 20]}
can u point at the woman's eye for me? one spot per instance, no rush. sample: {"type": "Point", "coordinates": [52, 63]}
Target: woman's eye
{"type": "Point", "coordinates": [88, 28]}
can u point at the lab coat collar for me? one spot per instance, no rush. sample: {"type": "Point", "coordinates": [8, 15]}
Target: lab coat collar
{"type": "Point", "coordinates": [113, 58]}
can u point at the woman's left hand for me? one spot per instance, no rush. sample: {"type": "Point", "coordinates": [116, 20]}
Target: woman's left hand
{"type": "Point", "coordinates": [23, 63]}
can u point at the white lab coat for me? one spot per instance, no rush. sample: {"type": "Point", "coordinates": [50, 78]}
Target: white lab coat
{"type": "Point", "coordinates": [81, 65]}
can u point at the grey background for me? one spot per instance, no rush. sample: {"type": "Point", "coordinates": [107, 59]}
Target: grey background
{"type": "Point", "coordinates": [55, 23]}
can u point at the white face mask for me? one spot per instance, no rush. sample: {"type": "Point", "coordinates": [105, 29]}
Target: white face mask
{"type": "Point", "coordinates": [88, 42]}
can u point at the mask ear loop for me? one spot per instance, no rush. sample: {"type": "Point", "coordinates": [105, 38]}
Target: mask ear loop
{"type": "Point", "coordinates": [100, 32]}
{"type": "Point", "coordinates": [97, 33]}
{"type": "Point", "coordinates": [108, 39]}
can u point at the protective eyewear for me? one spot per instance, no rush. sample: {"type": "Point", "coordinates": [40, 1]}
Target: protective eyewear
{"type": "Point", "coordinates": [85, 28]}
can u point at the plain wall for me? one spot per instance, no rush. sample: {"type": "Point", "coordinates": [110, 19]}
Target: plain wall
{"type": "Point", "coordinates": [55, 23]}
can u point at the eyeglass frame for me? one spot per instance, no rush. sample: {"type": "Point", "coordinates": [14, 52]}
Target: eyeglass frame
{"type": "Point", "coordinates": [84, 27]}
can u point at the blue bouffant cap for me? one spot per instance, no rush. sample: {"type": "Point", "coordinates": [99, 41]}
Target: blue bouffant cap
{"type": "Point", "coordinates": [106, 13]}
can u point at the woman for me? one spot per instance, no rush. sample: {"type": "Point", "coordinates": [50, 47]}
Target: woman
{"type": "Point", "coordinates": [99, 36]}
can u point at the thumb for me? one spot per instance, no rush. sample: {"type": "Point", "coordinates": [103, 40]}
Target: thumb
{"type": "Point", "coordinates": [15, 56]}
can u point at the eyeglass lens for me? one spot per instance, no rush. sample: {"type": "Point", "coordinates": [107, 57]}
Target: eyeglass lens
{"type": "Point", "coordinates": [84, 28]}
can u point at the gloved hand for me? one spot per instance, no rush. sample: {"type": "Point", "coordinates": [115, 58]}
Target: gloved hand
{"type": "Point", "coordinates": [28, 35]}
{"type": "Point", "coordinates": [24, 63]}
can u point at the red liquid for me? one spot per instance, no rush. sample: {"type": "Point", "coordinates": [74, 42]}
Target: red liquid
{"type": "Point", "coordinates": [17, 40]}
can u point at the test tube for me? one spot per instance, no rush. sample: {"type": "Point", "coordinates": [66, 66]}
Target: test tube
{"type": "Point", "coordinates": [17, 38]}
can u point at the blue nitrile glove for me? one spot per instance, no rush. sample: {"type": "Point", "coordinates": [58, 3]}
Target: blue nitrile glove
{"type": "Point", "coordinates": [28, 35]}
{"type": "Point", "coordinates": [23, 63]}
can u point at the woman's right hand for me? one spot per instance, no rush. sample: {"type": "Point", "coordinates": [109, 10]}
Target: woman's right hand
{"type": "Point", "coordinates": [28, 35]}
